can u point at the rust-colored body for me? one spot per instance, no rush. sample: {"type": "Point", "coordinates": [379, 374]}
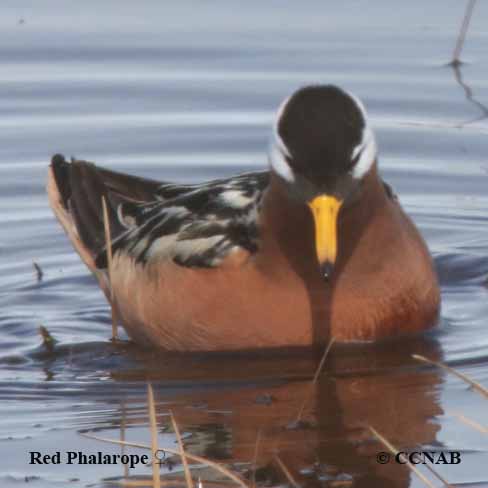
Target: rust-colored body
{"type": "Point", "coordinates": [383, 284]}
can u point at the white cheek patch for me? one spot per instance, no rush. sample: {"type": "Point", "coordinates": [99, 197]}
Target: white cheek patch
{"type": "Point", "coordinates": [279, 164]}
{"type": "Point", "coordinates": [367, 147]}
{"type": "Point", "coordinates": [278, 151]}
{"type": "Point", "coordinates": [368, 151]}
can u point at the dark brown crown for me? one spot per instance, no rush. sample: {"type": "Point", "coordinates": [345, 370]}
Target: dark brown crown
{"type": "Point", "coordinates": [320, 126]}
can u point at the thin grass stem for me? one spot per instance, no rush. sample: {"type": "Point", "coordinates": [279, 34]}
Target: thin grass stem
{"type": "Point", "coordinates": [108, 246]}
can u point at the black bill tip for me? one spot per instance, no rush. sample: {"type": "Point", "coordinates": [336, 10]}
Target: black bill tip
{"type": "Point", "coordinates": [326, 269]}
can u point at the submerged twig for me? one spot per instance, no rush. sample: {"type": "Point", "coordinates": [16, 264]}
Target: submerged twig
{"type": "Point", "coordinates": [154, 435]}
{"type": "Point", "coordinates": [293, 482]}
{"type": "Point", "coordinates": [108, 246]}
{"type": "Point", "coordinates": [48, 341]}
{"type": "Point", "coordinates": [474, 384]}
{"type": "Point", "coordinates": [186, 469]}
{"type": "Point", "coordinates": [314, 381]}
{"type": "Point", "coordinates": [468, 93]}
{"type": "Point", "coordinates": [38, 270]}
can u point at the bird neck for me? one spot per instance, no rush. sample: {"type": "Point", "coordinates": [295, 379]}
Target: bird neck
{"type": "Point", "coordinates": [288, 225]}
{"type": "Point", "coordinates": [282, 212]}
{"type": "Point", "coordinates": [372, 200]}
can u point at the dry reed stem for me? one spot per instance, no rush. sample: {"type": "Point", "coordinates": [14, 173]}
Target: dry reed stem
{"type": "Point", "coordinates": [470, 422]}
{"type": "Point", "coordinates": [474, 384]}
{"type": "Point", "coordinates": [462, 33]}
{"type": "Point", "coordinates": [255, 459]}
{"type": "Point", "coordinates": [315, 378]}
{"type": "Point", "coordinates": [134, 483]}
{"type": "Point", "coordinates": [189, 481]}
{"type": "Point", "coordinates": [122, 438]}
{"type": "Point", "coordinates": [154, 435]}
{"type": "Point", "coordinates": [108, 245]}
{"type": "Point", "coordinates": [164, 483]}
{"type": "Point", "coordinates": [410, 466]}
{"type": "Point", "coordinates": [286, 471]}
{"type": "Point", "coordinates": [438, 476]}
{"type": "Point", "coordinates": [218, 467]}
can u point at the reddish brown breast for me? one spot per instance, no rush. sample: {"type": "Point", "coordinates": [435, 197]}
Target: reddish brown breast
{"type": "Point", "coordinates": [384, 284]}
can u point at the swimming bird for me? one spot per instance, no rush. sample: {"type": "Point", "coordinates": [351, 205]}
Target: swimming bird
{"type": "Point", "coordinates": [315, 247]}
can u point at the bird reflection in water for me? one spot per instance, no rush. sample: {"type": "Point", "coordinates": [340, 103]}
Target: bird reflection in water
{"type": "Point", "coordinates": [246, 409]}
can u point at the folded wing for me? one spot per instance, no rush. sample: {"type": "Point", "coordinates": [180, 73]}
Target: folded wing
{"type": "Point", "coordinates": [193, 225]}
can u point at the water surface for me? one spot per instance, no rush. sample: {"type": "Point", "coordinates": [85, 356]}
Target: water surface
{"type": "Point", "coordinates": [187, 92]}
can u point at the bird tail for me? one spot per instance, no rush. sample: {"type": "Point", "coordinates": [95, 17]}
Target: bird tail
{"type": "Point", "coordinates": [75, 194]}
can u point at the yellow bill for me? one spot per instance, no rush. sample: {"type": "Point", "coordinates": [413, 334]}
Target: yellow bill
{"type": "Point", "coordinates": [325, 210]}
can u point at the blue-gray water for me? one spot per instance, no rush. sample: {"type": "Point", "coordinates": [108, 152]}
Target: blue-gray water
{"type": "Point", "coordinates": [187, 92]}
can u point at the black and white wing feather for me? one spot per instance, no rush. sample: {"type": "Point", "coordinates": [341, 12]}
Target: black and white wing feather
{"type": "Point", "coordinates": [192, 225]}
